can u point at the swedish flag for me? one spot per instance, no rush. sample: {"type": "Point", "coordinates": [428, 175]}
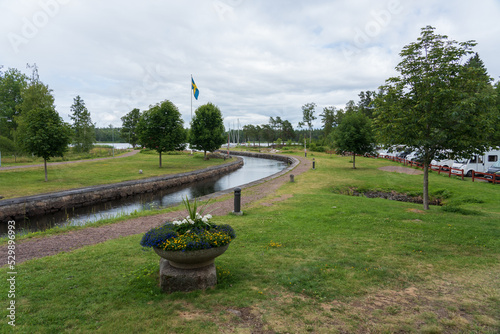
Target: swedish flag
{"type": "Point", "coordinates": [196, 91]}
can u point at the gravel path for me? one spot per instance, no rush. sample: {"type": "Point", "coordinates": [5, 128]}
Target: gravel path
{"type": "Point", "coordinates": [128, 154]}
{"type": "Point", "coordinates": [41, 247]}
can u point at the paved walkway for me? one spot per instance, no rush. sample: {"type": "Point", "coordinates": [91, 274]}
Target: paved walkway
{"type": "Point", "coordinates": [128, 154]}
{"type": "Point", "coordinates": [46, 246]}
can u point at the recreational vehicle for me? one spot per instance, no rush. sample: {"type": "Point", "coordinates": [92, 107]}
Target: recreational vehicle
{"type": "Point", "coordinates": [478, 163]}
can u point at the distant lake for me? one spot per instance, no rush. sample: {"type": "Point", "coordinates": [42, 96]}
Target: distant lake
{"type": "Point", "coordinates": [119, 146]}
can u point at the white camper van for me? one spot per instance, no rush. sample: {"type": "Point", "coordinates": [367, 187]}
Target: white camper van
{"type": "Point", "coordinates": [444, 160]}
{"type": "Point", "coordinates": [478, 163]}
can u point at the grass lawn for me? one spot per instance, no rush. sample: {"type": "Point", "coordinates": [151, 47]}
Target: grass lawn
{"type": "Point", "coordinates": [306, 259]}
{"type": "Point", "coordinates": [30, 181]}
{"type": "Point", "coordinates": [98, 151]}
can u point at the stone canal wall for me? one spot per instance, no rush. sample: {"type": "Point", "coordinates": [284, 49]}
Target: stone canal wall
{"type": "Point", "coordinates": [291, 161]}
{"type": "Point", "coordinates": [18, 208]}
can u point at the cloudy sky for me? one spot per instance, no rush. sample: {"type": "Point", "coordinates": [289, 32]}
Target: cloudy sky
{"type": "Point", "coordinates": [255, 59]}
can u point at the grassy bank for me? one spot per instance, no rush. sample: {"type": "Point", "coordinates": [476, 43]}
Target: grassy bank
{"type": "Point", "coordinates": [98, 151]}
{"type": "Point", "coordinates": [306, 259]}
{"type": "Point", "coordinates": [30, 181]}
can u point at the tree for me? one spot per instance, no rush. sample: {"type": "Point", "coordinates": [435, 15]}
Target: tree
{"type": "Point", "coordinates": [276, 125]}
{"type": "Point", "coordinates": [365, 104]}
{"type": "Point", "coordinates": [251, 132]}
{"type": "Point", "coordinates": [129, 127]}
{"type": "Point", "coordinates": [287, 131]}
{"type": "Point", "coordinates": [267, 133]}
{"type": "Point", "coordinates": [328, 118]}
{"type": "Point", "coordinates": [12, 83]}
{"type": "Point", "coordinates": [161, 128]}
{"type": "Point", "coordinates": [436, 103]}
{"type": "Point", "coordinates": [7, 145]}
{"type": "Point", "coordinates": [83, 128]}
{"type": "Point", "coordinates": [108, 135]}
{"type": "Point", "coordinates": [207, 129]}
{"type": "Point", "coordinates": [43, 131]}
{"type": "Point", "coordinates": [354, 134]}
{"type": "Point", "coordinates": [308, 117]}
{"type": "Point", "coordinates": [496, 136]}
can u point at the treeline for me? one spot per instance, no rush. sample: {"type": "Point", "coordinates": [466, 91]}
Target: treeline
{"type": "Point", "coordinates": [109, 135]}
{"type": "Point", "coordinates": [29, 122]}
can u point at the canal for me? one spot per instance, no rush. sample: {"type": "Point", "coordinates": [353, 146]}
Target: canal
{"type": "Point", "coordinates": [252, 170]}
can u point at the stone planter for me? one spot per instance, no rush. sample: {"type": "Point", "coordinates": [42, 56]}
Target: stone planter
{"type": "Point", "coordinates": [188, 271]}
{"type": "Point", "coordinates": [191, 259]}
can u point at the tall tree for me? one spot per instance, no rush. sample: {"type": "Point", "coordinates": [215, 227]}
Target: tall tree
{"type": "Point", "coordinates": [83, 128]}
{"type": "Point", "coordinates": [354, 134]}
{"type": "Point", "coordinates": [365, 104]}
{"type": "Point", "coordinates": [308, 117]}
{"type": "Point", "coordinates": [287, 131]}
{"type": "Point", "coordinates": [496, 136]}
{"type": "Point", "coordinates": [161, 128]}
{"type": "Point", "coordinates": [129, 126]}
{"type": "Point", "coordinates": [12, 83]}
{"type": "Point", "coordinates": [328, 118]}
{"type": "Point", "coordinates": [267, 133]}
{"type": "Point", "coordinates": [436, 103]}
{"type": "Point", "coordinates": [43, 131]}
{"type": "Point", "coordinates": [276, 124]}
{"type": "Point", "coordinates": [207, 129]}
{"type": "Point", "coordinates": [250, 132]}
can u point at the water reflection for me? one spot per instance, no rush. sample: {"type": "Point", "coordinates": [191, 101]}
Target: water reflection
{"type": "Point", "coordinates": [252, 170]}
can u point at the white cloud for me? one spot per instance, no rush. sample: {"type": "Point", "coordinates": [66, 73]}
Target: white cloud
{"type": "Point", "coordinates": [254, 59]}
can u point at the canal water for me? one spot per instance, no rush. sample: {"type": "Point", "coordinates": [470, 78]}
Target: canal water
{"type": "Point", "coordinates": [252, 170]}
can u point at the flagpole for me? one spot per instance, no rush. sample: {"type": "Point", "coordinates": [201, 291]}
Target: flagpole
{"type": "Point", "coordinates": [191, 93]}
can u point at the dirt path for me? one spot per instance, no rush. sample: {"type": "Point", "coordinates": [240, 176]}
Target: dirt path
{"type": "Point", "coordinates": [404, 170]}
{"type": "Point", "coordinates": [128, 154]}
{"type": "Point", "coordinates": [41, 247]}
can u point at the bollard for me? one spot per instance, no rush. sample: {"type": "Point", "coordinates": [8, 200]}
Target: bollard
{"type": "Point", "coordinates": [305, 154]}
{"type": "Point", "coordinates": [237, 202]}
{"type": "Point", "coordinates": [314, 164]}
{"type": "Point", "coordinates": [292, 178]}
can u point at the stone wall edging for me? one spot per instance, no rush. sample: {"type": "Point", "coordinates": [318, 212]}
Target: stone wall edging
{"type": "Point", "coordinates": [20, 207]}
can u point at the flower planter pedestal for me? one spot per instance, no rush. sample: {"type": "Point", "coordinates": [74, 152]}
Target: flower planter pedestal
{"type": "Point", "coordinates": [174, 279]}
{"type": "Point", "coordinates": [188, 271]}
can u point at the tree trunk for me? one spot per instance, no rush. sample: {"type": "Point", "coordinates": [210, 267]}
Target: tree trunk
{"type": "Point", "coordinates": [160, 159]}
{"type": "Point", "coordinates": [426, 186]}
{"type": "Point", "coordinates": [354, 160]}
{"type": "Point", "coordinates": [45, 165]}
{"type": "Point", "coordinates": [205, 155]}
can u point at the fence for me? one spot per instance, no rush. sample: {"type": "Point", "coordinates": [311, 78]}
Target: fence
{"type": "Point", "coordinates": [486, 177]}
{"type": "Point", "coordinates": [449, 170]}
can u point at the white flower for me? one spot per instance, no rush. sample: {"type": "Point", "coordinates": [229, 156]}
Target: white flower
{"type": "Point", "coordinates": [176, 222]}
{"type": "Point", "coordinates": [209, 216]}
{"type": "Point", "coordinates": [198, 216]}
{"type": "Point", "coordinates": [204, 219]}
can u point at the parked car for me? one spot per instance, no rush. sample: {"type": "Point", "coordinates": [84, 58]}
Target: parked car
{"type": "Point", "coordinates": [443, 160]}
{"type": "Point", "coordinates": [404, 154]}
{"type": "Point", "coordinates": [413, 156]}
{"type": "Point", "coordinates": [494, 169]}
